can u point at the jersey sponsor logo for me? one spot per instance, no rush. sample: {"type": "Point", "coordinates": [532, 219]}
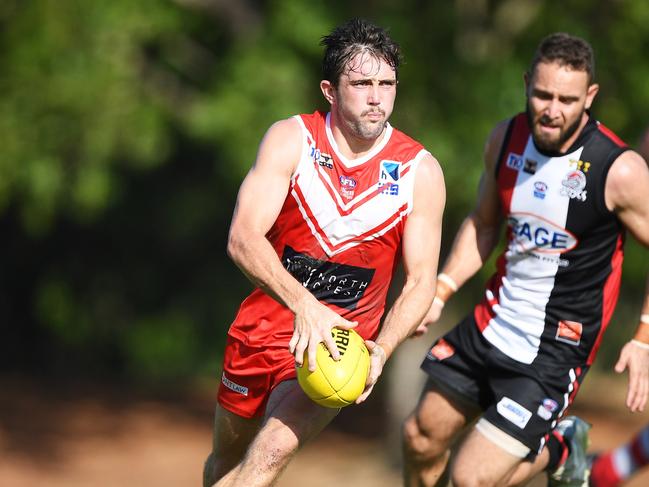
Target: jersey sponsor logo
{"type": "Point", "coordinates": [531, 233]}
{"type": "Point", "coordinates": [388, 177]}
{"type": "Point", "coordinates": [347, 186]}
{"type": "Point", "coordinates": [582, 166]}
{"type": "Point", "coordinates": [321, 158]}
{"type": "Point", "coordinates": [441, 350]}
{"type": "Point", "coordinates": [233, 386]}
{"type": "Point", "coordinates": [515, 161]}
{"type": "Point", "coordinates": [573, 185]}
{"type": "Point", "coordinates": [530, 166]}
{"type": "Point", "coordinates": [331, 282]}
{"type": "Point", "coordinates": [514, 412]}
{"type": "Point", "coordinates": [546, 408]}
{"type": "Point", "coordinates": [539, 189]}
{"type": "Point", "coordinates": [569, 332]}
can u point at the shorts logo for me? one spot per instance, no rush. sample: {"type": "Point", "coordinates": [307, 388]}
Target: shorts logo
{"type": "Point", "coordinates": [513, 412]}
{"type": "Point", "coordinates": [233, 386]}
{"type": "Point", "coordinates": [515, 161]}
{"type": "Point", "coordinates": [441, 350]}
{"type": "Point", "coordinates": [569, 332]}
{"type": "Point", "coordinates": [546, 408]}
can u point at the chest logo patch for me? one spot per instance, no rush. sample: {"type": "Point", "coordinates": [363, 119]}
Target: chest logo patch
{"type": "Point", "coordinates": [530, 166]}
{"type": "Point", "coordinates": [573, 185]}
{"type": "Point", "coordinates": [539, 189]}
{"type": "Point", "coordinates": [515, 161]}
{"type": "Point", "coordinates": [347, 186]}
{"type": "Point", "coordinates": [389, 177]}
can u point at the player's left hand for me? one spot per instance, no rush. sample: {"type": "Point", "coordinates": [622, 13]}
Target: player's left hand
{"type": "Point", "coordinates": [377, 361]}
{"type": "Point", "coordinates": [636, 359]}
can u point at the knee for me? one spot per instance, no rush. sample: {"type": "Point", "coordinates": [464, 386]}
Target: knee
{"type": "Point", "coordinates": [421, 443]}
{"type": "Point", "coordinates": [463, 477]}
{"type": "Point", "coordinates": [271, 451]}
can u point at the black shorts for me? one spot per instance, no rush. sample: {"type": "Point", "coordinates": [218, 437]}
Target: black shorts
{"type": "Point", "coordinates": [523, 400]}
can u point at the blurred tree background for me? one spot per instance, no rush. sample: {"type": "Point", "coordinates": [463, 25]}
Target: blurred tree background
{"type": "Point", "coordinates": [126, 128]}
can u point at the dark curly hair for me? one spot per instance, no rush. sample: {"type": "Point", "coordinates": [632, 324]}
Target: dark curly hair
{"type": "Point", "coordinates": [567, 50]}
{"type": "Point", "coordinates": [354, 36]}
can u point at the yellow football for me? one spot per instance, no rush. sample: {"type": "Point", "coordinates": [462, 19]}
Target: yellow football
{"type": "Point", "coordinates": [337, 384]}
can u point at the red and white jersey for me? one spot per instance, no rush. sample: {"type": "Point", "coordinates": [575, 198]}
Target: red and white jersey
{"type": "Point", "coordinates": [558, 279]}
{"type": "Point", "coordinates": [339, 231]}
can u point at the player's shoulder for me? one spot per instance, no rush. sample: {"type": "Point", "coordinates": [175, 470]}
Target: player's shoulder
{"type": "Point", "coordinates": [430, 175]}
{"type": "Point", "coordinates": [286, 127]}
{"type": "Point", "coordinates": [281, 146]}
{"type": "Point", "coordinates": [495, 140]}
{"type": "Point", "coordinates": [498, 133]}
{"type": "Point", "coordinates": [626, 168]}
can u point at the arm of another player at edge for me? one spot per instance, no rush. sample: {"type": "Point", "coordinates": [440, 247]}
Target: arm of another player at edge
{"type": "Point", "coordinates": [249, 248]}
{"type": "Point", "coordinates": [627, 187]}
{"type": "Point", "coordinates": [480, 230]}
{"type": "Point", "coordinates": [420, 249]}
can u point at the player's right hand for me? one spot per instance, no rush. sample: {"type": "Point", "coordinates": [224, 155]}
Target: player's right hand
{"type": "Point", "coordinates": [431, 317]}
{"type": "Point", "coordinates": [312, 325]}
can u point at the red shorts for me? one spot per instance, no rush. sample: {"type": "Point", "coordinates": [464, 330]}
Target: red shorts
{"type": "Point", "coordinates": [250, 374]}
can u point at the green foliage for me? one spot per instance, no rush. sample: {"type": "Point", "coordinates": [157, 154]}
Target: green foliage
{"type": "Point", "coordinates": [126, 128]}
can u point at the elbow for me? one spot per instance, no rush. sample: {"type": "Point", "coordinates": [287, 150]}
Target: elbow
{"type": "Point", "coordinates": [235, 247]}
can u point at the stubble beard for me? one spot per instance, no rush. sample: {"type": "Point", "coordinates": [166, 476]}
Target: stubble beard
{"type": "Point", "coordinates": [551, 145]}
{"type": "Point", "coordinates": [366, 130]}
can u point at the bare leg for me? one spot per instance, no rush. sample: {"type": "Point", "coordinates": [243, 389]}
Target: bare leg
{"type": "Point", "coordinates": [527, 470]}
{"type": "Point", "coordinates": [232, 436]}
{"type": "Point", "coordinates": [427, 435]}
{"type": "Point", "coordinates": [482, 463]}
{"type": "Point", "coordinates": [291, 420]}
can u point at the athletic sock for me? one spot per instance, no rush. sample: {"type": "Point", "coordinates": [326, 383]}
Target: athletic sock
{"type": "Point", "coordinates": [612, 468]}
{"type": "Point", "coordinates": [558, 450]}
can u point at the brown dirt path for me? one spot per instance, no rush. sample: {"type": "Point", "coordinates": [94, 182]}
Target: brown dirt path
{"type": "Point", "coordinates": [88, 436]}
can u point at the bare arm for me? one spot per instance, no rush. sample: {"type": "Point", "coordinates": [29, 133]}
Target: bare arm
{"type": "Point", "coordinates": [249, 248]}
{"type": "Point", "coordinates": [478, 234]}
{"type": "Point", "coordinates": [420, 247]}
{"type": "Point", "coordinates": [627, 186]}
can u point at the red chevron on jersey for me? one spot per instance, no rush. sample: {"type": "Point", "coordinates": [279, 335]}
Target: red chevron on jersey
{"type": "Point", "coordinates": [339, 231]}
{"type": "Point", "coordinates": [348, 202]}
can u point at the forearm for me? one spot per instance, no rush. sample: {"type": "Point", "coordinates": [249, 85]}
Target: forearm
{"type": "Point", "coordinates": [406, 313]}
{"type": "Point", "coordinates": [257, 259]}
{"type": "Point", "coordinates": [642, 332]}
{"type": "Point", "coordinates": [472, 246]}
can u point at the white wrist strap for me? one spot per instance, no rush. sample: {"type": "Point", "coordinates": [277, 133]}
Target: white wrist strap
{"type": "Point", "coordinates": [448, 280]}
{"type": "Point", "coordinates": [639, 344]}
{"type": "Point", "coordinates": [644, 318]}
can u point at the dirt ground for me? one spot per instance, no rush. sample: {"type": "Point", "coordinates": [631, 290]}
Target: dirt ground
{"type": "Point", "coordinates": [82, 435]}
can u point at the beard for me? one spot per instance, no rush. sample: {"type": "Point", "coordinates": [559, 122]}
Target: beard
{"type": "Point", "coordinates": [359, 125]}
{"type": "Point", "coordinates": [364, 129]}
{"type": "Point", "coordinates": [544, 142]}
